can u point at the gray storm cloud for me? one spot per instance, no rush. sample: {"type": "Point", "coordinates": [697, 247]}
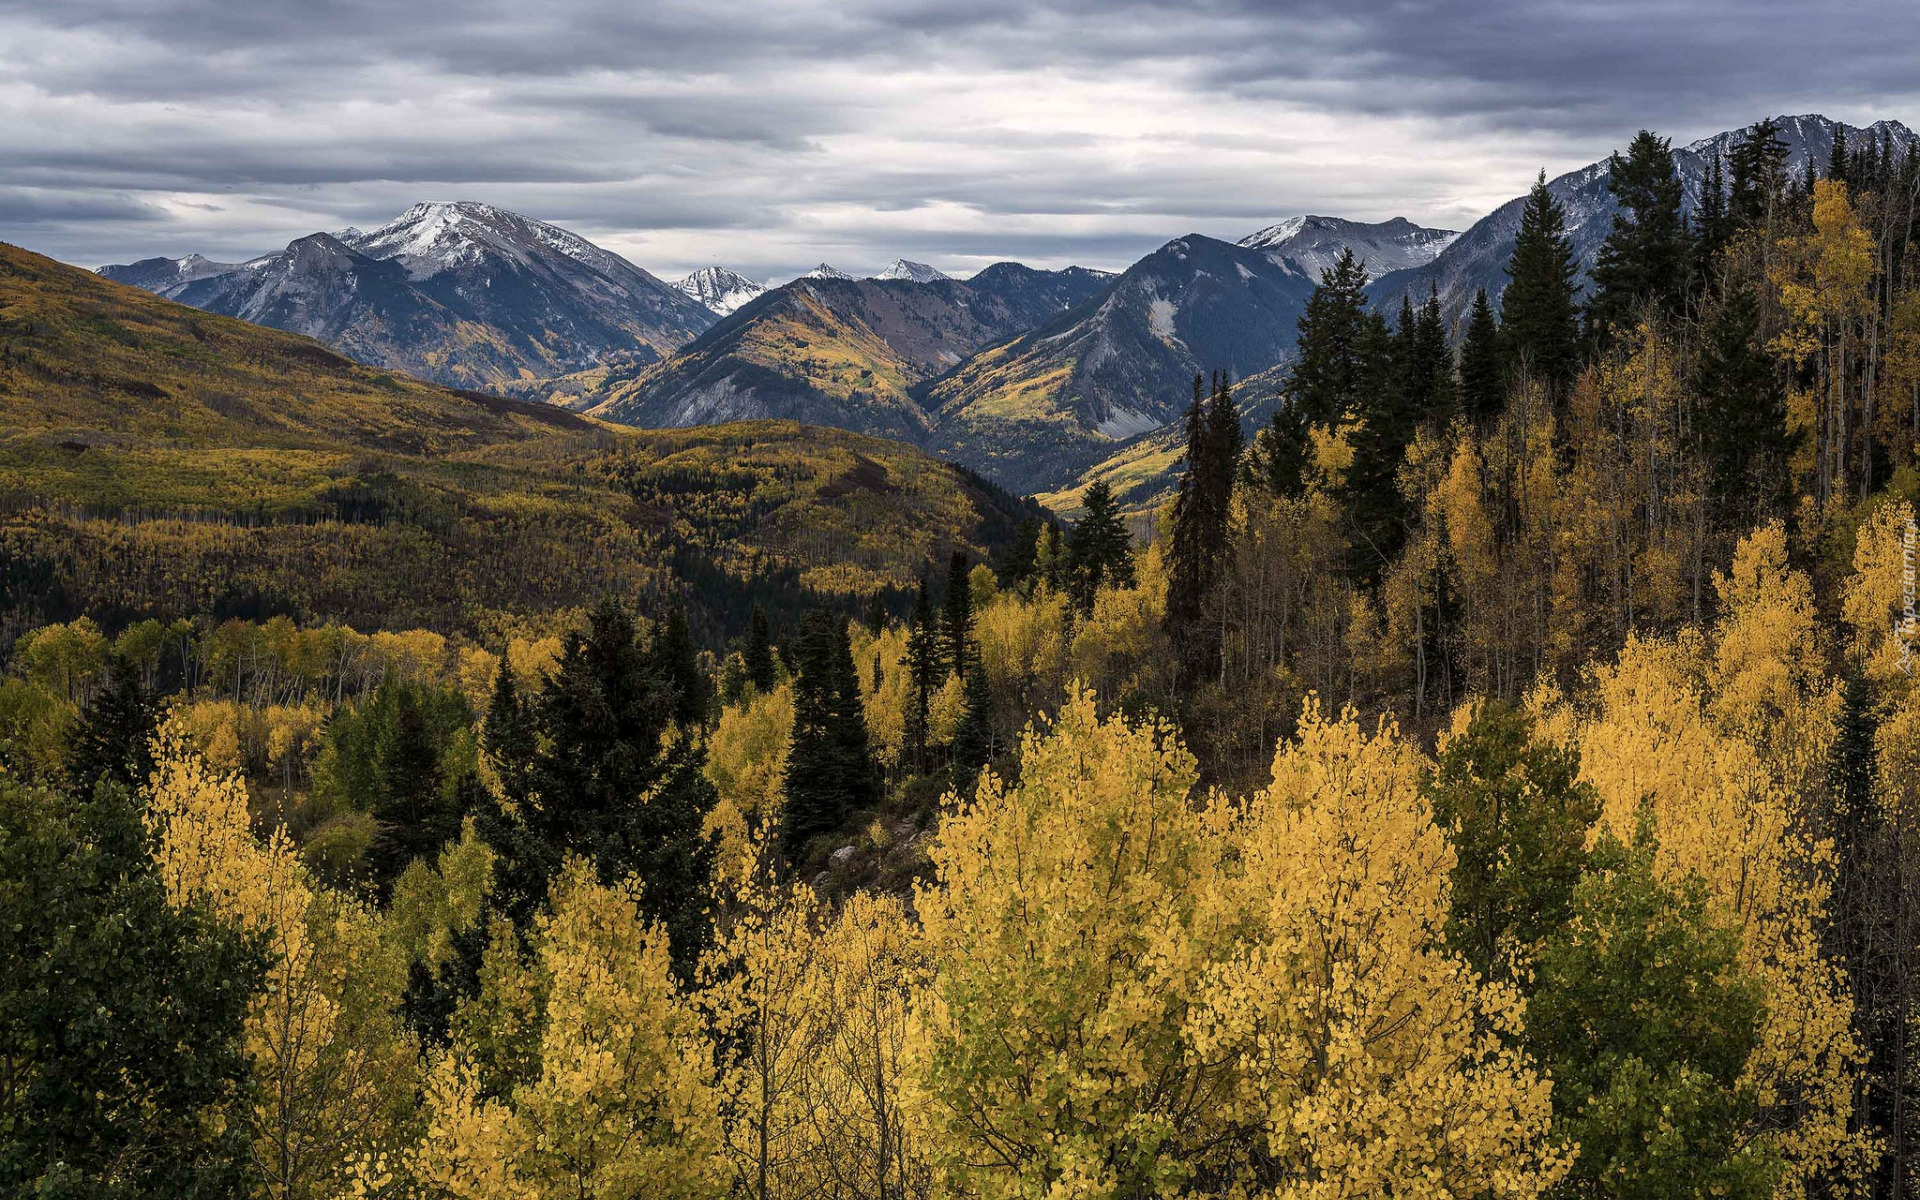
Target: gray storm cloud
{"type": "Point", "coordinates": [771, 137]}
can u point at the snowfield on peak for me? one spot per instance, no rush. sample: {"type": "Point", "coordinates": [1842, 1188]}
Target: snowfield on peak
{"type": "Point", "coordinates": [914, 272]}
{"type": "Point", "coordinates": [719, 289]}
{"type": "Point", "coordinates": [1311, 244]}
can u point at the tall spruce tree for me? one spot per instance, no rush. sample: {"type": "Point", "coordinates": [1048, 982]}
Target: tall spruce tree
{"type": "Point", "coordinates": [1643, 264]}
{"type": "Point", "coordinates": [1202, 512]}
{"type": "Point", "coordinates": [956, 625]}
{"type": "Point", "coordinates": [1837, 159]}
{"type": "Point", "coordinates": [1483, 385]}
{"type": "Point", "coordinates": [1741, 426]}
{"type": "Point", "coordinates": [113, 739]}
{"type": "Point", "coordinates": [1427, 370]}
{"type": "Point", "coordinates": [615, 779]}
{"type": "Point", "coordinates": [923, 662]}
{"type": "Point", "coordinates": [1758, 170]}
{"type": "Point", "coordinates": [1284, 453]}
{"type": "Point", "coordinates": [1377, 510]}
{"type": "Point", "coordinates": [506, 734]}
{"type": "Point", "coordinates": [1330, 368]}
{"type": "Point", "coordinates": [1099, 548]}
{"type": "Point", "coordinates": [1539, 315]}
{"type": "Point", "coordinates": [1712, 224]}
{"type": "Point", "coordinates": [680, 662]}
{"type": "Point", "coordinates": [973, 737]}
{"type": "Point", "coordinates": [830, 768]}
{"type": "Point", "coordinates": [758, 655]}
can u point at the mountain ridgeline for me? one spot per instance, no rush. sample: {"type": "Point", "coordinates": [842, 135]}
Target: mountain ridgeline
{"type": "Point", "coordinates": [1040, 380]}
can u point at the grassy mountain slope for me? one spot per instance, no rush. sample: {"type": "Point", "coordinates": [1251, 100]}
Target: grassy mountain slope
{"type": "Point", "coordinates": [155, 459]}
{"type": "Point", "coordinates": [1037, 411]}
{"type": "Point", "coordinates": [842, 352]}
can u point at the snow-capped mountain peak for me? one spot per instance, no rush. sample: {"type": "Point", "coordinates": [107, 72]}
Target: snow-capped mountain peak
{"type": "Point", "coordinates": [915, 272]}
{"type": "Point", "coordinates": [1311, 244]}
{"type": "Point", "coordinates": [438, 236]}
{"type": "Point", "coordinates": [719, 289]}
{"type": "Point", "coordinates": [823, 271]}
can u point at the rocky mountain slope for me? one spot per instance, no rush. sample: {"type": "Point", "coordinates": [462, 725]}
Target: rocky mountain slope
{"type": "Point", "coordinates": [831, 351]}
{"type": "Point", "coordinates": [1478, 258]}
{"type": "Point", "coordinates": [1035, 412]}
{"type": "Point", "coordinates": [462, 293]}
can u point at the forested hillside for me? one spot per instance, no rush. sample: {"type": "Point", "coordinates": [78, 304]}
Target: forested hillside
{"type": "Point", "coordinates": [156, 461]}
{"type": "Point", "coordinates": [1493, 778]}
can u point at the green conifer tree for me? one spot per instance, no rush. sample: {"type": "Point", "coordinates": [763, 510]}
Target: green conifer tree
{"type": "Point", "coordinates": [1643, 264]}
{"type": "Point", "coordinates": [1483, 385]}
{"type": "Point", "coordinates": [1539, 317]}
{"type": "Point", "coordinates": [1330, 371]}
{"type": "Point", "coordinates": [830, 768]}
{"type": "Point", "coordinates": [759, 651]}
{"type": "Point", "coordinates": [1099, 549]}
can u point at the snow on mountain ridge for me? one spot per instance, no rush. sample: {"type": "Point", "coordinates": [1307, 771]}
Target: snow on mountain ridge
{"type": "Point", "coordinates": [913, 272]}
{"type": "Point", "coordinates": [719, 289]}
{"type": "Point", "coordinates": [1310, 244]}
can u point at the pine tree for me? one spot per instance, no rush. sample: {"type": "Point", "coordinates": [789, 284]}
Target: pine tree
{"type": "Point", "coordinates": [1483, 387]}
{"type": "Point", "coordinates": [505, 734]}
{"type": "Point", "coordinates": [122, 1017]}
{"type": "Point", "coordinates": [1742, 423]}
{"type": "Point", "coordinates": [615, 782]}
{"type": "Point", "coordinates": [1837, 158]}
{"type": "Point", "coordinates": [114, 737]}
{"type": "Point", "coordinates": [1329, 368]}
{"type": "Point", "coordinates": [1099, 549]}
{"type": "Point", "coordinates": [1427, 372]}
{"type": "Point", "coordinates": [923, 663]}
{"type": "Point", "coordinates": [830, 768]}
{"type": "Point", "coordinates": [1644, 261]}
{"type": "Point", "coordinates": [956, 623]}
{"type": "Point", "coordinates": [973, 737]}
{"type": "Point", "coordinates": [673, 651]}
{"type": "Point", "coordinates": [759, 651]}
{"type": "Point", "coordinates": [1202, 526]}
{"type": "Point", "coordinates": [1759, 175]}
{"type": "Point", "coordinates": [1376, 507]}
{"type": "Point", "coordinates": [411, 800]}
{"type": "Point", "coordinates": [1539, 320]}
{"type": "Point", "coordinates": [1285, 452]}
{"type": "Point", "coordinates": [1712, 224]}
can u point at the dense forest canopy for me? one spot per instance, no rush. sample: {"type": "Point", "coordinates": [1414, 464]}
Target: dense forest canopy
{"type": "Point", "coordinates": [1493, 777]}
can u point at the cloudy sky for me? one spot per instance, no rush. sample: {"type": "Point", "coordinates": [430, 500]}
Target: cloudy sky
{"type": "Point", "coordinates": [773, 134]}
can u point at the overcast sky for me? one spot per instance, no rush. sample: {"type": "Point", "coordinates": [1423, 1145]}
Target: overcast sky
{"type": "Point", "coordinates": [768, 135]}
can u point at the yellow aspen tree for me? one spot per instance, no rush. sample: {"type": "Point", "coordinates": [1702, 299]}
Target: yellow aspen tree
{"type": "Point", "coordinates": [867, 973]}
{"type": "Point", "coordinates": [758, 994]}
{"type": "Point", "coordinates": [747, 765]}
{"type": "Point", "coordinates": [1367, 1059]}
{"type": "Point", "coordinates": [1768, 680]}
{"type": "Point", "coordinates": [1060, 932]}
{"type": "Point", "coordinates": [1720, 812]}
{"type": "Point", "coordinates": [621, 1102]}
{"type": "Point", "coordinates": [335, 1071]}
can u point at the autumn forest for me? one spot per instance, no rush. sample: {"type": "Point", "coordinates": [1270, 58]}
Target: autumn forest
{"type": "Point", "coordinates": [1492, 773]}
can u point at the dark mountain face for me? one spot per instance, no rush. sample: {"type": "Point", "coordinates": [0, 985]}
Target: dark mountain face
{"type": "Point", "coordinates": [1034, 412]}
{"type": "Point", "coordinates": [834, 351]}
{"type": "Point", "coordinates": [462, 293]}
{"type": "Point", "coordinates": [1478, 258]}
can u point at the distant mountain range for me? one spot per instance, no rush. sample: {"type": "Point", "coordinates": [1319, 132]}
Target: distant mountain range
{"type": "Point", "coordinates": [1039, 379]}
{"type": "Point", "coordinates": [463, 294]}
{"type": "Point", "coordinates": [830, 350]}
